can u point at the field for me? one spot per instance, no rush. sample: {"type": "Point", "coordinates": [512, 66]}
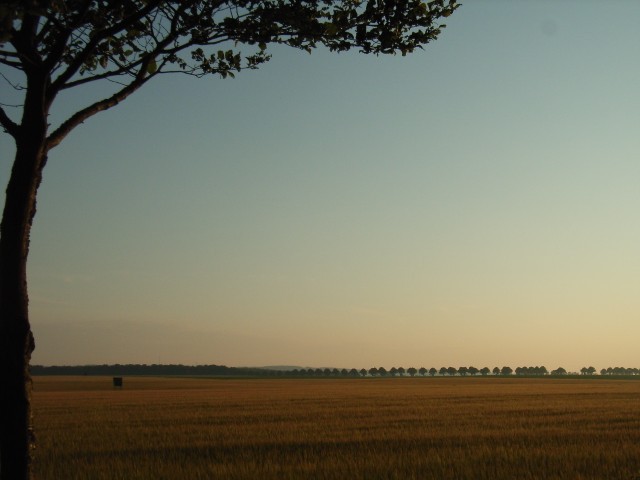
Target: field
{"type": "Point", "coordinates": [393, 428]}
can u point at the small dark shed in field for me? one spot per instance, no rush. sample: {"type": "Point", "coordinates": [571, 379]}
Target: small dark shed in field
{"type": "Point", "coordinates": [117, 382]}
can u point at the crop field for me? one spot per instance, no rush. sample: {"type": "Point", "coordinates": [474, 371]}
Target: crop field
{"type": "Point", "coordinates": [391, 428]}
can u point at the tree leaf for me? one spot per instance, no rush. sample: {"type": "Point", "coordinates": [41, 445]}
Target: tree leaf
{"type": "Point", "coordinates": [152, 67]}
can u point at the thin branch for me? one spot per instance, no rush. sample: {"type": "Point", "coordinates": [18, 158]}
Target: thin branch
{"type": "Point", "coordinates": [9, 63]}
{"type": "Point", "coordinates": [15, 86]}
{"type": "Point", "coordinates": [79, 117]}
{"type": "Point", "coordinates": [9, 125]}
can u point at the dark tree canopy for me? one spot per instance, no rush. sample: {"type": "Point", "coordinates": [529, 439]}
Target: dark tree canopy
{"type": "Point", "coordinates": [72, 43]}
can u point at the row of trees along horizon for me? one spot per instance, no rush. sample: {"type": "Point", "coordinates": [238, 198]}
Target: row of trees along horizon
{"type": "Point", "coordinates": [222, 370]}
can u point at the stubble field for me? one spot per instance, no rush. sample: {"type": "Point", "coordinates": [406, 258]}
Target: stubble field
{"type": "Point", "coordinates": [394, 428]}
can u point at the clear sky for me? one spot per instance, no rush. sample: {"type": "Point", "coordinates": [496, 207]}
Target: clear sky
{"type": "Point", "coordinates": [476, 203]}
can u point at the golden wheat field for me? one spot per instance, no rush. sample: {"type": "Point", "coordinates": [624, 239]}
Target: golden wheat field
{"type": "Point", "coordinates": [393, 428]}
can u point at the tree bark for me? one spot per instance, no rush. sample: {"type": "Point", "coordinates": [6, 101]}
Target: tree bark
{"type": "Point", "coordinates": [16, 339]}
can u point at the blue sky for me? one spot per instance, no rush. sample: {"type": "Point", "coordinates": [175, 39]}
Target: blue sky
{"type": "Point", "coordinates": [473, 203]}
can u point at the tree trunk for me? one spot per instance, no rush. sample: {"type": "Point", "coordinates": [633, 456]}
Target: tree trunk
{"type": "Point", "coordinates": [16, 339]}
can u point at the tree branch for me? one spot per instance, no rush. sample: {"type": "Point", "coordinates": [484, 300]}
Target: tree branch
{"type": "Point", "coordinates": [9, 125]}
{"type": "Point", "coordinates": [79, 117]}
{"type": "Point", "coordinates": [96, 38]}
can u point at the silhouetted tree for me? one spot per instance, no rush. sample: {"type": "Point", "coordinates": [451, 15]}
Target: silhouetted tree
{"type": "Point", "coordinates": [506, 371]}
{"type": "Point", "coordinates": [496, 370]}
{"type": "Point", "coordinates": [57, 46]}
{"type": "Point", "coordinates": [485, 371]}
{"type": "Point", "coordinates": [393, 371]}
{"type": "Point", "coordinates": [412, 371]}
{"type": "Point", "coordinates": [473, 371]}
{"type": "Point", "coordinates": [423, 371]}
{"type": "Point", "coordinates": [452, 371]}
{"type": "Point", "coordinates": [382, 371]}
{"type": "Point", "coordinates": [443, 371]}
{"type": "Point", "coordinates": [591, 370]}
{"type": "Point", "coordinates": [373, 371]}
{"type": "Point", "coordinates": [462, 371]}
{"type": "Point", "coordinates": [363, 372]}
{"type": "Point", "coordinates": [401, 371]}
{"type": "Point", "coordinates": [432, 371]}
{"type": "Point", "coordinates": [559, 371]}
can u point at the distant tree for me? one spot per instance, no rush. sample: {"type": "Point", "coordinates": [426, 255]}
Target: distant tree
{"type": "Point", "coordinates": [603, 371]}
{"type": "Point", "coordinates": [423, 371]}
{"type": "Point", "coordinates": [584, 371]}
{"type": "Point", "coordinates": [591, 370]}
{"type": "Point", "coordinates": [432, 372]}
{"type": "Point", "coordinates": [473, 371]}
{"type": "Point", "coordinates": [57, 47]}
{"type": "Point", "coordinates": [401, 371]}
{"type": "Point", "coordinates": [506, 371]}
{"type": "Point", "coordinates": [344, 372]}
{"type": "Point", "coordinates": [373, 371]}
{"type": "Point", "coordinates": [443, 371]}
{"type": "Point", "coordinates": [462, 371]}
{"type": "Point", "coordinates": [412, 371]}
{"type": "Point", "coordinates": [452, 371]}
{"type": "Point", "coordinates": [484, 371]}
{"type": "Point", "coordinates": [363, 372]}
{"type": "Point", "coordinates": [496, 370]}
{"type": "Point", "coordinates": [382, 371]}
{"type": "Point", "coordinates": [353, 372]}
{"type": "Point", "coordinates": [559, 371]}
{"type": "Point", "coordinates": [393, 371]}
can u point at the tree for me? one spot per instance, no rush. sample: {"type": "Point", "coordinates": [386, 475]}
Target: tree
{"type": "Point", "coordinates": [484, 371]}
{"type": "Point", "coordinates": [412, 371]}
{"type": "Point", "coordinates": [393, 371]}
{"type": "Point", "coordinates": [432, 371]}
{"type": "Point", "coordinates": [473, 371]}
{"type": "Point", "coordinates": [363, 372]}
{"type": "Point", "coordinates": [496, 370]}
{"type": "Point", "coordinates": [423, 371]}
{"type": "Point", "coordinates": [382, 371]}
{"type": "Point", "coordinates": [401, 371]}
{"type": "Point", "coordinates": [506, 371]}
{"type": "Point", "coordinates": [373, 371]}
{"type": "Point", "coordinates": [443, 371]}
{"type": "Point", "coordinates": [462, 371]}
{"type": "Point", "coordinates": [57, 46]}
{"type": "Point", "coordinates": [452, 371]}
{"type": "Point", "coordinates": [559, 371]}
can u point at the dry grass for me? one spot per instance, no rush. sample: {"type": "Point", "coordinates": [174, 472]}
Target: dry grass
{"type": "Point", "coordinates": [402, 428]}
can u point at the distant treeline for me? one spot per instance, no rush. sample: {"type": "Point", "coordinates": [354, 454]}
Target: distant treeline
{"type": "Point", "coordinates": [154, 369]}
{"type": "Point", "coordinates": [222, 370]}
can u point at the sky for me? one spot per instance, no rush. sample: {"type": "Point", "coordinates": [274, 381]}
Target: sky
{"type": "Point", "coordinates": [475, 203]}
